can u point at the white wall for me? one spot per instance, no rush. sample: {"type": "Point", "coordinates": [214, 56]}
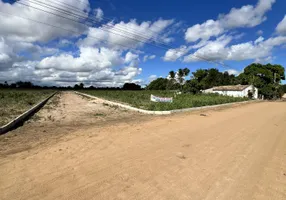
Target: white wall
{"type": "Point", "coordinates": [243, 93]}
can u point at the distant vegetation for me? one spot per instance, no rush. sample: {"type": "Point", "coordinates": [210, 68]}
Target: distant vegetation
{"type": "Point", "coordinates": [266, 78]}
{"type": "Point", "coordinates": [16, 102]}
{"type": "Point", "coordinates": [141, 99]}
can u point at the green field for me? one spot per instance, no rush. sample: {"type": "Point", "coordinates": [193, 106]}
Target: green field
{"type": "Point", "coordinates": [141, 99]}
{"type": "Point", "coordinates": [15, 102]}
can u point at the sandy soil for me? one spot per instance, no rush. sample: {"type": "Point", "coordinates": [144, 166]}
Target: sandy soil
{"type": "Point", "coordinates": [64, 114]}
{"type": "Point", "coordinates": [235, 153]}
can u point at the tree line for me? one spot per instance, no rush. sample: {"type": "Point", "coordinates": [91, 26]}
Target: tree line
{"type": "Point", "coordinates": [267, 78]}
{"type": "Point", "coordinates": [80, 86]}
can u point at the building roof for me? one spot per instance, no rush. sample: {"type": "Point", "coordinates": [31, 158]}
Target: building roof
{"type": "Point", "coordinates": [231, 88]}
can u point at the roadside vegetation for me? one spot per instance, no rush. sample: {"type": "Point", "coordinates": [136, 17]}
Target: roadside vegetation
{"type": "Point", "coordinates": [141, 99]}
{"type": "Point", "coordinates": [15, 102]}
{"type": "Point", "coordinates": [267, 78]}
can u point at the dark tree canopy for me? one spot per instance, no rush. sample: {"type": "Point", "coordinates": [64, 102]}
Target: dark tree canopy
{"type": "Point", "coordinates": [131, 86]}
{"type": "Point", "coordinates": [158, 84]}
{"type": "Point", "coordinates": [266, 78]}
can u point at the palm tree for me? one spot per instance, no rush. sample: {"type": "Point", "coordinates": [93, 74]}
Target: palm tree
{"type": "Point", "coordinates": [172, 75]}
{"type": "Point", "coordinates": [186, 72]}
{"type": "Point", "coordinates": [172, 78]}
{"type": "Point", "coordinates": [182, 73]}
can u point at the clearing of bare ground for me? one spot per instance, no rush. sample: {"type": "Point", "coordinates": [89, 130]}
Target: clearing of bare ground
{"type": "Point", "coordinates": [233, 153]}
{"type": "Point", "coordinates": [63, 114]}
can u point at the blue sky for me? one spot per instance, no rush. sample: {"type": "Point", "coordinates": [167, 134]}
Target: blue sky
{"type": "Point", "coordinates": [115, 48]}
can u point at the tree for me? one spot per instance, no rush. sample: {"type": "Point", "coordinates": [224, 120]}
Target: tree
{"type": "Point", "coordinates": [172, 75]}
{"type": "Point", "coordinates": [192, 86]}
{"type": "Point", "coordinates": [131, 86]}
{"type": "Point", "coordinates": [76, 87]}
{"type": "Point", "coordinates": [81, 85]}
{"type": "Point", "coordinates": [266, 78]}
{"type": "Point", "coordinates": [181, 76]}
{"type": "Point", "coordinates": [284, 88]}
{"type": "Point", "coordinates": [171, 81]}
{"type": "Point", "coordinates": [182, 73]}
{"type": "Point", "coordinates": [186, 72]}
{"type": "Point", "coordinates": [200, 74]}
{"type": "Point", "coordinates": [158, 84]}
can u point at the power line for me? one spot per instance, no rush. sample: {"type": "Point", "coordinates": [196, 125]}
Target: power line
{"type": "Point", "coordinates": [68, 30]}
{"type": "Point", "coordinates": [107, 30]}
{"type": "Point", "coordinates": [183, 53]}
{"type": "Point", "coordinates": [106, 18]}
{"type": "Point", "coordinates": [81, 17]}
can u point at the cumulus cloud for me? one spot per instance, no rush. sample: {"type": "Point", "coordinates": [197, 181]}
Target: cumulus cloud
{"type": "Point", "coordinates": [98, 60]}
{"type": "Point", "coordinates": [126, 35]}
{"type": "Point", "coordinates": [20, 29]}
{"type": "Point", "coordinates": [93, 66]}
{"type": "Point", "coordinates": [220, 49]}
{"type": "Point", "coordinates": [281, 27]}
{"type": "Point", "coordinates": [7, 55]}
{"type": "Point", "coordinates": [90, 59]}
{"type": "Point", "coordinates": [66, 69]}
{"type": "Point", "coordinates": [174, 54]}
{"type": "Point", "coordinates": [246, 16]}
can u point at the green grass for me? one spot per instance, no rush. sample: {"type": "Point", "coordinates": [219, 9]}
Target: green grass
{"type": "Point", "coordinates": [14, 102]}
{"type": "Point", "coordinates": [141, 99]}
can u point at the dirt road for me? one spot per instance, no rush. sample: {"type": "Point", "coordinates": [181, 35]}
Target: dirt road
{"type": "Point", "coordinates": [236, 153]}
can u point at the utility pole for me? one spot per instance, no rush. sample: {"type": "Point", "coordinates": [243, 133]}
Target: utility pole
{"type": "Point", "coordinates": [253, 91]}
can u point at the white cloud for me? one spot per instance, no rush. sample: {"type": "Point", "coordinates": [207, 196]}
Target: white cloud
{"type": "Point", "coordinates": [99, 70]}
{"type": "Point", "coordinates": [281, 27]}
{"type": "Point", "coordinates": [15, 28]}
{"type": "Point", "coordinates": [98, 14]}
{"type": "Point", "coordinates": [258, 40]}
{"type": "Point", "coordinates": [260, 32]}
{"type": "Point", "coordinates": [90, 59]}
{"type": "Point", "coordinates": [93, 66]}
{"type": "Point", "coordinates": [149, 57]}
{"type": "Point", "coordinates": [213, 50]}
{"type": "Point", "coordinates": [174, 54]}
{"type": "Point", "coordinates": [64, 42]}
{"type": "Point", "coordinates": [233, 72]}
{"type": "Point", "coordinates": [132, 59]}
{"type": "Point", "coordinates": [246, 16]}
{"type": "Point", "coordinates": [7, 55]}
{"type": "Point", "coordinates": [264, 60]}
{"type": "Point", "coordinates": [152, 78]}
{"type": "Point", "coordinates": [204, 31]}
{"type": "Point", "coordinates": [26, 52]}
{"type": "Point", "coordinates": [218, 49]}
{"type": "Point", "coordinates": [126, 35]}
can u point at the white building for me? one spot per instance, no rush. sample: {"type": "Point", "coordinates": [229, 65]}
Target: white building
{"type": "Point", "coordinates": [234, 90]}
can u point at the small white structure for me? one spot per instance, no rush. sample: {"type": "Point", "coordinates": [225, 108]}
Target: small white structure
{"type": "Point", "coordinates": [234, 90]}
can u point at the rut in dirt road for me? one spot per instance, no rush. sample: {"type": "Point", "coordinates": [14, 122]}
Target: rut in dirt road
{"type": "Point", "coordinates": [236, 153]}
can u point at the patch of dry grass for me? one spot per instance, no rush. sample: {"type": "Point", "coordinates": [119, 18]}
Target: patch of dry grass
{"type": "Point", "coordinates": [14, 102]}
